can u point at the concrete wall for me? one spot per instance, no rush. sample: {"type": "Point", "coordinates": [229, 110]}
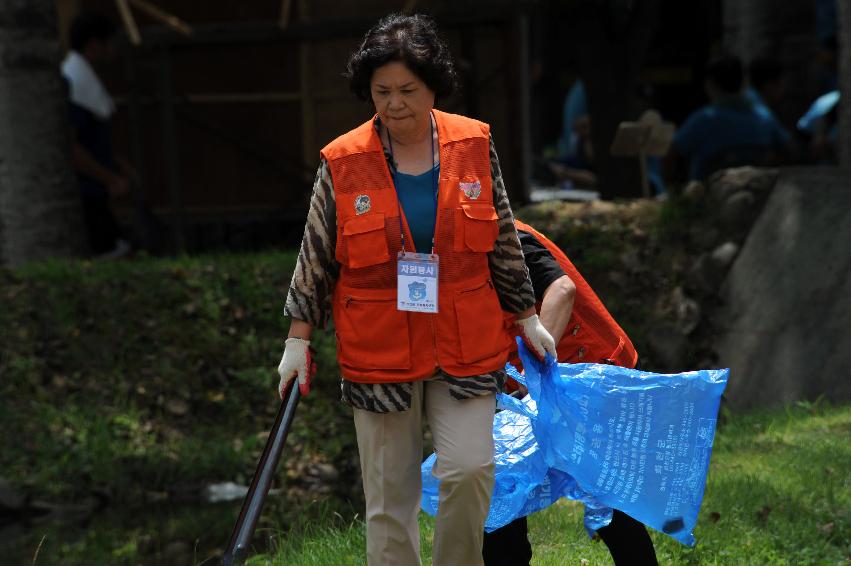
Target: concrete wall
{"type": "Point", "coordinates": [786, 320]}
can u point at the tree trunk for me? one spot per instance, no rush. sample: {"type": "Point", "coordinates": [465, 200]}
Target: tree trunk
{"type": "Point", "coordinates": [844, 29]}
{"type": "Point", "coordinates": [40, 209]}
{"type": "Point", "coordinates": [615, 36]}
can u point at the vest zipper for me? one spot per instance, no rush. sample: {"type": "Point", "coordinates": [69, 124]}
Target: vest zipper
{"type": "Point", "coordinates": [349, 299]}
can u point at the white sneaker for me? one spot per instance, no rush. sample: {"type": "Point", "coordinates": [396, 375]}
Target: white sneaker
{"type": "Point", "coordinates": [121, 249]}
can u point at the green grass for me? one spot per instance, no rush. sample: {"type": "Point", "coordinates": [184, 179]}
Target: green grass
{"type": "Point", "coordinates": [136, 383]}
{"type": "Point", "coordinates": [130, 379]}
{"type": "Point", "coordinates": [158, 375]}
{"type": "Point", "coordinates": [779, 492]}
{"type": "Point", "coordinates": [141, 381]}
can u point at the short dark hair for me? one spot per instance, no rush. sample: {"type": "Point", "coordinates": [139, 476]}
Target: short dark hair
{"type": "Point", "coordinates": [89, 26]}
{"type": "Point", "coordinates": [726, 72]}
{"type": "Point", "coordinates": [414, 41]}
{"type": "Point", "coordinates": [765, 70]}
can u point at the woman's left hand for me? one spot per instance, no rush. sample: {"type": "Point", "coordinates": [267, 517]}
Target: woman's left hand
{"type": "Point", "coordinates": [537, 336]}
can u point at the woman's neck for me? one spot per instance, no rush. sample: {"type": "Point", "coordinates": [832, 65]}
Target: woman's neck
{"type": "Point", "coordinates": [409, 138]}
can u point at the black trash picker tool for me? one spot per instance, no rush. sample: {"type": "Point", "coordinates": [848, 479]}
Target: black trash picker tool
{"type": "Point", "coordinates": [252, 506]}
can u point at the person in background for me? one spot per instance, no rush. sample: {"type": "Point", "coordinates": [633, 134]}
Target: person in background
{"type": "Point", "coordinates": [584, 331]}
{"type": "Point", "coordinates": [575, 124]}
{"type": "Point", "coordinates": [101, 174]}
{"type": "Point", "coordinates": [574, 159]}
{"type": "Point", "coordinates": [820, 123]}
{"type": "Point", "coordinates": [767, 85]}
{"type": "Point", "coordinates": [413, 179]}
{"type": "Point", "coordinates": [729, 125]}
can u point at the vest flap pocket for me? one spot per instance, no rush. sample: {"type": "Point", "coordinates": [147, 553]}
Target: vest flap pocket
{"type": "Point", "coordinates": [365, 241]}
{"type": "Point", "coordinates": [478, 224]}
{"type": "Point", "coordinates": [482, 211]}
{"type": "Point", "coordinates": [480, 323]}
{"type": "Point", "coordinates": [372, 333]}
{"type": "Point", "coordinates": [362, 224]}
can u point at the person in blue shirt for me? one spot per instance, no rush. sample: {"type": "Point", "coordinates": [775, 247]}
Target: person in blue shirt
{"type": "Point", "coordinates": [575, 128]}
{"type": "Point", "coordinates": [574, 158]}
{"type": "Point", "coordinates": [820, 122]}
{"type": "Point", "coordinates": [730, 124]}
{"type": "Point", "coordinates": [821, 125]}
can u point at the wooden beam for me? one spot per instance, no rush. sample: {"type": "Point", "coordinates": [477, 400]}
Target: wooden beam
{"type": "Point", "coordinates": [171, 148]}
{"type": "Point", "coordinates": [241, 97]}
{"type": "Point", "coordinates": [129, 23]}
{"type": "Point", "coordinates": [409, 7]}
{"type": "Point", "coordinates": [286, 7]}
{"type": "Point", "coordinates": [308, 118]}
{"type": "Point", "coordinates": [270, 97]}
{"type": "Point", "coordinates": [66, 11]}
{"type": "Point", "coordinates": [161, 15]}
{"type": "Point", "coordinates": [524, 111]}
{"type": "Point", "coordinates": [265, 32]}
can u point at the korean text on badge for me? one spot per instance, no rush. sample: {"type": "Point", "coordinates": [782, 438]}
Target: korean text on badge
{"type": "Point", "coordinates": [416, 278]}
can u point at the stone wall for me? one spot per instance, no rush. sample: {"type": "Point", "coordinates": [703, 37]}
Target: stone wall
{"type": "Point", "coordinates": [784, 325]}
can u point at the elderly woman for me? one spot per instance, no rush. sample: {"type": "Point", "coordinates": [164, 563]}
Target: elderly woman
{"type": "Point", "coordinates": [410, 242]}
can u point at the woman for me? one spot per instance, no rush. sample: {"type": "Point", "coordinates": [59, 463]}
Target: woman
{"type": "Point", "coordinates": [418, 335]}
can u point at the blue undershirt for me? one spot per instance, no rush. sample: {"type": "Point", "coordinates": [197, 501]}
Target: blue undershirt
{"type": "Point", "coordinates": [416, 196]}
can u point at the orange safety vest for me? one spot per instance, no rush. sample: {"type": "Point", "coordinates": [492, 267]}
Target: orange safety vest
{"type": "Point", "coordinates": [376, 342]}
{"type": "Point", "coordinates": [592, 335]}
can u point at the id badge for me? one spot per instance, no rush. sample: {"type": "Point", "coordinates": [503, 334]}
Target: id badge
{"type": "Point", "coordinates": [416, 282]}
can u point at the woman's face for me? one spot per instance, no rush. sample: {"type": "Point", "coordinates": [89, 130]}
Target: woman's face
{"type": "Point", "coordinates": [402, 100]}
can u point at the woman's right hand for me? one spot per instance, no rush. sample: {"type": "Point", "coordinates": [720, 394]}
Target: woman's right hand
{"type": "Point", "coordinates": [296, 361]}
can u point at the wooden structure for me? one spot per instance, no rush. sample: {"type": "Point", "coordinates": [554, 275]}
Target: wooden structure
{"type": "Point", "coordinates": [223, 106]}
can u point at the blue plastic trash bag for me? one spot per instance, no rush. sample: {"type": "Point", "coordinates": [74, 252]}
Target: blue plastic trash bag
{"type": "Point", "coordinates": [608, 436]}
{"type": "Point", "coordinates": [524, 482]}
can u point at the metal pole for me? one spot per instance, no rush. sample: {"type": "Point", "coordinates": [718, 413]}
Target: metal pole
{"type": "Point", "coordinates": [252, 506]}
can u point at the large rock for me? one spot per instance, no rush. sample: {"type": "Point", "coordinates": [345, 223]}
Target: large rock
{"type": "Point", "coordinates": [726, 182]}
{"type": "Point", "coordinates": [786, 323]}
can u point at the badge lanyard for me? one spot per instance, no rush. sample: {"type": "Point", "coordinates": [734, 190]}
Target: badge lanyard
{"type": "Point", "coordinates": [416, 273]}
{"type": "Point", "coordinates": [433, 184]}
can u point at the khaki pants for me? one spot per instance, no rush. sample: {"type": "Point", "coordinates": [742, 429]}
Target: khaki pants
{"type": "Point", "coordinates": [390, 447]}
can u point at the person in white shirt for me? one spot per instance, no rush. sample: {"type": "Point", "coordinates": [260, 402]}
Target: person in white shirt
{"type": "Point", "coordinates": [101, 174]}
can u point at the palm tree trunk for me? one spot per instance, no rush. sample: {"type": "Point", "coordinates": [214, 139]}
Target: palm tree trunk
{"type": "Point", "coordinates": [40, 209]}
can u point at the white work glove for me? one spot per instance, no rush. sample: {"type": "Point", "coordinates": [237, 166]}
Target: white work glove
{"type": "Point", "coordinates": [536, 336]}
{"type": "Point", "coordinates": [297, 360]}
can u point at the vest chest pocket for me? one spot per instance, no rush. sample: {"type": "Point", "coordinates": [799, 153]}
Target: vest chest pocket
{"type": "Point", "coordinates": [363, 241]}
{"type": "Point", "coordinates": [475, 228]}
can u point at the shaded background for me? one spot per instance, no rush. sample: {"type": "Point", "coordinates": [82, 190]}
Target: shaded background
{"type": "Point", "coordinates": [224, 121]}
{"type": "Point", "coordinates": [130, 388]}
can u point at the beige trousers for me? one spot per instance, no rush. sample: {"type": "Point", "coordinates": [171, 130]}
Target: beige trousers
{"type": "Point", "coordinates": [390, 447]}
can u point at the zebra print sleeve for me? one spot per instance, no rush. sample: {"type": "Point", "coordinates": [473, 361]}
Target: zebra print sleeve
{"type": "Point", "coordinates": [316, 270]}
{"type": "Point", "coordinates": [508, 269]}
